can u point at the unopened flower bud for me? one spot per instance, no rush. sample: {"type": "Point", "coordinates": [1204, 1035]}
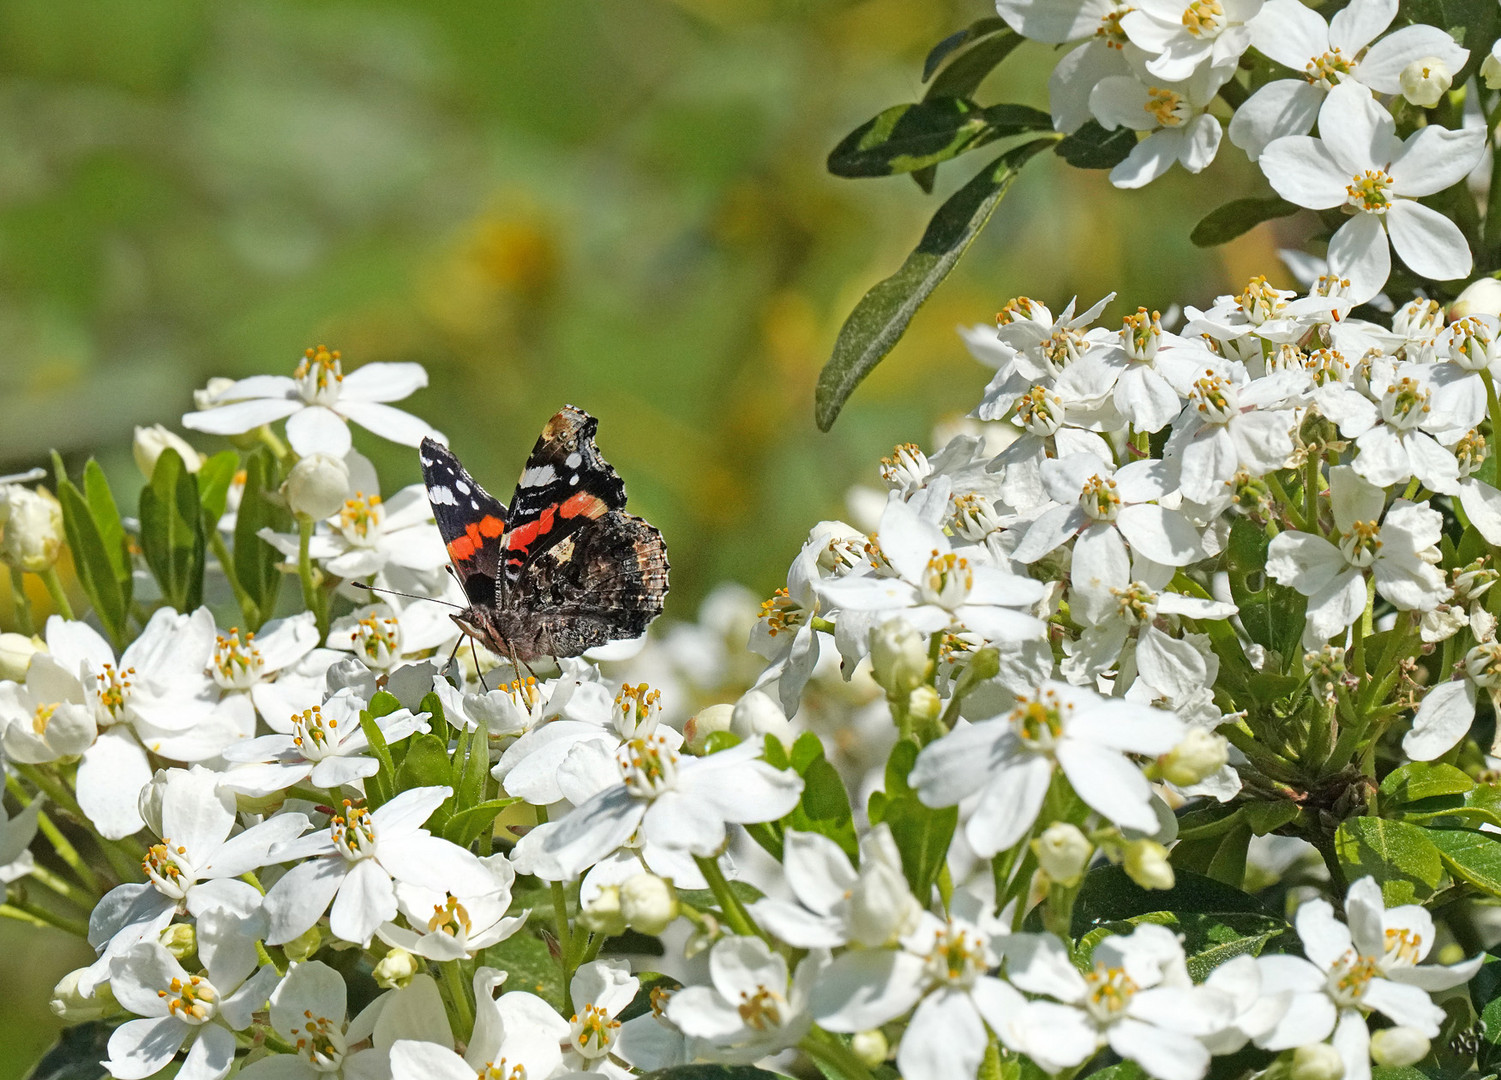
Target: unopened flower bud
{"type": "Point", "coordinates": [149, 801]}
{"type": "Point", "coordinates": [1147, 865]}
{"type": "Point", "coordinates": [32, 524]}
{"type": "Point", "coordinates": [396, 970]}
{"type": "Point", "coordinates": [756, 715]}
{"type": "Point", "coordinates": [317, 486]}
{"type": "Point", "coordinates": [212, 393]}
{"type": "Point", "coordinates": [304, 945]}
{"type": "Point", "coordinates": [1425, 81]}
{"type": "Point", "coordinates": [704, 723]}
{"type": "Point", "coordinates": [16, 651]}
{"type": "Point", "coordinates": [73, 1007]}
{"type": "Point", "coordinates": [1201, 754]}
{"type": "Point", "coordinates": [1398, 1046]}
{"type": "Point", "coordinates": [1483, 295]}
{"type": "Point", "coordinates": [870, 1047]}
{"type": "Point", "coordinates": [180, 939]}
{"type": "Point", "coordinates": [349, 673]}
{"type": "Point", "coordinates": [1063, 852]}
{"type": "Point", "coordinates": [648, 904]}
{"type": "Point", "coordinates": [1316, 1061]}
{"type": "Point", "coordinates": [898, 657]}
{"type": "Point", "coordinates": [151, 441]}
{"type": "Point", "coordinates": [924, 705]}
{"type": "Point", "coordinates": [601, 915]}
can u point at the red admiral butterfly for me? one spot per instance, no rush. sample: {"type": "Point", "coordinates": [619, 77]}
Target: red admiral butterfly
{"type": "Point", "coordinates": [566, 569]}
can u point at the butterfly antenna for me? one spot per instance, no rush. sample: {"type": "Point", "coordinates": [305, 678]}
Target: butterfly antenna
{"type": "Point", "coordinates": [409, 596]}
{"type": "Point", "coordinates": [475, 650]}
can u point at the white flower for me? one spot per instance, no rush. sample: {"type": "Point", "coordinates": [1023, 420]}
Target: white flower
{"type": "Point", "coordinates": [449, 927]}
{"type": "Point", "coordinates": [149, 443]}
{"type": "Point", "coordinates": [1009, 762]}
{"type": "Point", "coordinates": [600, 990]}
{"type": "Point", "coordinates": [280, 669]}
{"type": "Point", "coordinates": [1328, 53]}
{"type": "Point", "coordinates": [1399, 436]}
{"type": "Point", "coordinates": [680, 803]}
{"type": "Point", "coordinates": [751, 1009]}
{"type": "Point", "coordinates": [1184, 38]}
{"type": "Point", "coordinates": [516, 1035]}
{"type": "Point", "coordinates": [385, 636]}
{"type": "Point", "coordinates": [31, 528]}
{"type": "Point", "coordinates": [1359, 162]}
{"type": "Point", "coordinates": [1037, 348]}
{"type": "Point", "coordinates": [1447, 710]}
{"type": "Point", "coordinates": [1398, 549]}
{"type": "Point", "coordinates": [317, 402]}
{"type": "Point", "coordinates": [1173, 111]}
{"type": "Point", "coordinates": [1226, 429]}
{"type": "Point", "coordinates": [352, 864]}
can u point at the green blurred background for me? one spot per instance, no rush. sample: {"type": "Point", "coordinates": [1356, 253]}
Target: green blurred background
{"type": "Point", "coordinates": [619, 204]}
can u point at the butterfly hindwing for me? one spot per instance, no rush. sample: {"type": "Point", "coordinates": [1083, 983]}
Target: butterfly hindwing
{"type": "Point", "coordinates": [566, 483]}
{"type": "Point", "coordinates": [470, 519]}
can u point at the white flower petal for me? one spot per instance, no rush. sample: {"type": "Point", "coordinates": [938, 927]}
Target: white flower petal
{"type": "Point", "coordinates": [1429, 243]}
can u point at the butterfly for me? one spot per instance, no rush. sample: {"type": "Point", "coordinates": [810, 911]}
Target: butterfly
{"type": "Point", "coordinates": [565, 568]}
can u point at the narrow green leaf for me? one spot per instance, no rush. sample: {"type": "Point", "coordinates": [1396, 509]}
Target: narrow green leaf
{"type": "Point", "coordinates": [882, 315]}
{"type": "Point", "coordinates": [466, 826]}
{"type": "Point", "coordinates": [1470, 854]}
{"type": "Point", "coordinates": [1267, 817]}
{"type": "Point", "coordinates": [214, 479]}
{"type": "Point", "coordinates": [1108, 894]}
{"type": "Point", "coordinates": [91, 562]}
{"type": "Point", "coordinates": [963, 76]}
{"type": "Point", "coordinates": [425, 763]}
{"type": "Point", "coordinates": [919, 135]}
{"type": "Point", "coordinates": [172, 536]}
{"type": "Point", "coordinates": [106, 517]}
{"type": "Point", "coordinates": [382, 786]}
{"type": "Point", "coordinates": [255, 560]}
{"type": "Point", "coordinates": [1400, 856]}
{"type": "Point", "coordinates": [77, 1054]}
{"type": "Point", "coordinates": [1229, 861]}
{"type": "Point", "coordinates": [825, 805]}
{"type": "Point", "coordinates": [1423, 780]}
{"type": "Point", "coordinates": [1485, 993]}
{"type": "Point", "coordinates": [976, 30]}
{"type": "Point", "coordinates": [1239, 216]}
{"type": "Point", "coordinates": [1092, 147]}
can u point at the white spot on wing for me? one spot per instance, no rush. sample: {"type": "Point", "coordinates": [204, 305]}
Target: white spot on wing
{"type": "Point", "coordinates": [538, 475]}
{"type": "Point", "coordinates": [441, 496]}
{"type": "Point", "coordinates": [574, 460]}
{"type": "Point", "coordinates": [463, 487]}
{"type": "Point", "coordinates": [473, 505]}
{"type": "Point", "coordinates": [574, 479]}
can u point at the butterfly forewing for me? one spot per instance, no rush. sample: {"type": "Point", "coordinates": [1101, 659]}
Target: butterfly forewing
{"type": "Point", "coordinates": [470, 519]}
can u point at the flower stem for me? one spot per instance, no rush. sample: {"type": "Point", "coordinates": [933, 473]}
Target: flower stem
{"type": "Point", "coordinates": [248, 607]}
{"type": "Point", "coordinates": [312, 596]}
{"type": "Point", "coordinates": [461, 1011]}
{"type": "Point", "coordinates": [55, 590]}
{"type": "Point", "coordinates": [60, 843]}
{"type": "Point", "coordinates": [37, 915]}
{"type": "Point", "coordinates": [827, 1049]}
{"type": "Point", "coordinates": [63, 887]}
{"type": "Point", "coordinates": [20, 603]}
{"type": "Point", "coordinates": [734, 911]}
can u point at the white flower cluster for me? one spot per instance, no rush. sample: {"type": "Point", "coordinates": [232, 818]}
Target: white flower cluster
{"type": "Point", "coordinates": [1159, 67]}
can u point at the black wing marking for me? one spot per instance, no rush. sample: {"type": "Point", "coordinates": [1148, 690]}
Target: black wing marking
{"type": "Point", "coordinates": [471, 520]}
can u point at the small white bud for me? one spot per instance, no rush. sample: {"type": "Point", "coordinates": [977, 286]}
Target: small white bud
{"type": "Point", "coordinates": [1316, 1061]}
{"type": "Point", "coordinates": [924, 705]}
{"type": "Point", "coordinates": [756, 715]}
{"type": "Point", "coordinates": [304, 945]}
{"type": "Point", "coordinates": [1063, 852]}
{"type": "Point", "coordinates": [213, 393]}
{"type": "Point", "coordinates": [73, 1007]}
{"type": "Point", "coordinates": [349, 674]}
{"type": "Point", "coordinates": [1147, 865]}
{"type": "Point", "coordinates": [870, 1047]}
{"type": "Point", "coordinates": [180, 939]}
{"type": "Point", "coordinates": [151, 441]}
{"type": "Point", "coordinates": [1201, 754]}
{"type": "Point", "coordinates": [396, 970]}
{"type": "Point", "coordinates": [648, 904]}
{"type": "Point", "coordinates": [16, 651]}
{"type": "Point", "coordinates": [1425, 81]}
{"type": "Point", "coordinates": [149, 801]}
{"type": "Point", "coordinates": [1483, 295]}
{"type": "Point", "coordinates": [31, 528]}
{"type": "Point", "coordinates": [317, 486]}
{"type": "Point", "coordinates": [601, 915]}
{"type": "Point", "coordinates": [704, 723]}
{"type": "Point", "coordinates": [1398, 1046]}
{"type": "Point", "coordinates": [898, 657]}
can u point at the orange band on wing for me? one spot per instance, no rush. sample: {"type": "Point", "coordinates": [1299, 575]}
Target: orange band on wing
{"type": "Point", "coordinates": [583, 504]}
{"type": "Point", "coordinates": [521, 537]}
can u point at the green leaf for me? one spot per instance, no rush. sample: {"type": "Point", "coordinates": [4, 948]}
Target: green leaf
{"type": "Point", "coordinates": [214, 479]}
{"type": "Point", "coordinates": [1398, 855]}
{"type": "Point", "coordinates": [1424, 780]}
{"type": "Point", "coordinates": [976, 30]}
{"type": "Point", "coordinates": [882, 315]}
{"type": "Point", "coordinates": [1109, 895]}
{"type": "Point", "coordinates": [1121, 1070]}
{"type": "Point", "coordinates": [466, 826]}
{"type": "Point", "coordinates": [172, 537]}
{"type": "Point", "coordinates": [1268, 817]}
{"type": "Point", "coordinates": [1092, 147]}
{"type": "Point", "coordinates": [1209, 940]}
{"type": "Point", "coordinates": [77, 1054]}
{"type": "Point", "coordinates": [825, 805]}
{"type": "Point", "coordinates": [530, 966]}
{"type": "Point", "coordinates": [1470, 854]}
{"type": "Point", "coordinates": [964, 76]}
{"type": "Point", "coordinates": [425, 763]}
{"type": "Point", "coordinates": [106, 517]}
{"type": "Point", "coordinates": [1485, 994]}
{"type": "Point", "coordinates": [1229, 861]}
{"type": "Point", "coordinates": [919, 135]}
{"type": "Point", "coordinates": [1272, 614]}
{"type": "Point", "coordinates": [382, 786]}
{"type": "Point", "coordinates": [255, 560]}
{"type": "Point", "coordinates": [1239, 216]}
{"type": "Point", "coordinates": [92, 562]}
{"type": "Point", "coordinates": [712, 1072]}
{"type": "Point", "coordinates": [705, 900]}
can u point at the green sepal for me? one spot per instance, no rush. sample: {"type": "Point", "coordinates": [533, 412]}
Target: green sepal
{"type": "Point", "coordinates": [172, 536]}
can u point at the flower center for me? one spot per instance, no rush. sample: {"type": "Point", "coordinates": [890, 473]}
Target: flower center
{"type": "Point", "coordinates": [361, 516]}
{"type": "Point", "coordinates": [1404, 947]}
{"type": "Point", "coordinates": [1142, 334]}
{"type": "Point", "coordinates": [973, 516]}
{"type": "Point", "coordinates": [1110, 27]}
{"type": "Point", "coordinates": [1137, 603]}
{"type": "Point", "coordinates": [313, 734]}
{"type": "Point", "coordinates": [636, 710]}
{"type": "Point", "coordinates": [1405, 404]}
{"type": "Point", "coordinates": [1470, 452]}
{"type": "Point", "coordinates": [194, 1001]}
{"type": "Point", "coordinates": [319, 375]}
{"type": "Point", "coordinates": [1327, 69]}
{"type": "Point", "coordinates": [40, 717]}
{"type": "Point", "coordinates": [1217, 400]}
{"type": "Point", "coordinates": [113, 692]}
{"type": "Point", "coordinates": [1110, 992]}
{"type": "Point", "coordinates": [947, 580]}
{"type": "Point", "coordinates": [594, 1033]}
{"type": "Point", "coordinates": [321, 1042]}
{"type": "Point", "coordinates": [781, 613]}
{"type": "Point", "coordinates": [164, 871]}
{"type": "Point", "coordinates": [1418, 320]}
{"type": "Point", "coordinates": [1470, 343]}
{"type": "Point", "coordinates": [1099, 500]}
{"type": "Point", "coordinates": [648, 765]}
{"type": "Point", "coordinates": [1361, 544]}
{"type": "Point", "coordinates": [1040, 411]}
{"type": "Point", "coordinates": [1204, 18]}
{"type": "Point", "coordinates": [1483, 664]}
{"type": "Point", "coordinates": [1065, 346]}
{"type": "Point", "coordinates": [496, 1070]}
{"type": "Point", "coordinates": [353, 832]}
{"type": "Point", "coordinates": [451, 917]}
{"type": "Point", "coordinates": [378, 641]}
{"type": "Point", "coordinates": [1350, 976]}
{"type": "Point", "coordinates": [957, 958]}
{"type": "Point", "coordinates": [1021, 308]}
{"type": "Point", "coordinates": [907, 467]}
{"type": "Point", "coordinates": [1328, 366]}
{"type": "Point", "coordinates": [761, 1011]}
{"type": "Point", "coordinates": [1168, 107]}
{"type": "Point", "coordinates": [1369, 191]}
{"type": "Point", "coordinates": [236, 666]}
{"type": "Point", "coordinates": [1039, 722]}
{"type": "Point", "coordinates": [1260, 301]}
